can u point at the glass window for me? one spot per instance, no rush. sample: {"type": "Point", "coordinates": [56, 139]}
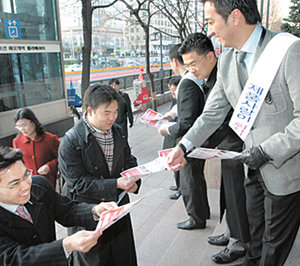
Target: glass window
{"type": "Point", "coordinates": [29, 79]}
{"type": "Point", "coordinates": [35, 19]}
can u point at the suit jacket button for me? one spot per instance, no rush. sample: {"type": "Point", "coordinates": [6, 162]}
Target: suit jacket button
{"type": "Point", "coordinates": [35, 236]}
{"type": "Point", "coordinates": [96, 167]}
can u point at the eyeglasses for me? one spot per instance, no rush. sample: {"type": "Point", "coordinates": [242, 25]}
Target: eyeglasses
{"type": "Point", "coordinates": [23, 126]}
{"type": "Point", "coordinates": [195, 64]}
{"type": "Point", "coordinates": [17, 182]}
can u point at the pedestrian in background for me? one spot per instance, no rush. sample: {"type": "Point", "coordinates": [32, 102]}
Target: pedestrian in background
{"type": "Point", "coordinates": [39, 147]}
{"type": "Point", "coordinates": [124, 107]}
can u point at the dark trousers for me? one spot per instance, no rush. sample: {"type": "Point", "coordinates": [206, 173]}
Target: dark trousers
{"type": "Point", "coordinates": [274, 222]}
{"type": "Point", "coordinates": [177, 180]}
{"type": "Point", "coordinates": [234, 199]}
{"type": "Point", "coordinates": [194, 191]}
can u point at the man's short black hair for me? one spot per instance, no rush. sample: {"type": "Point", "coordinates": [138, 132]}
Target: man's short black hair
{"type": "Point", "coordinates": [174, 81]}
{"type": "Point", "coordinates": [9, 156]}
{"type": "Point", "coordinates": [175, 54]}
{"type": "Point", "coordinates": [247, 7]}
{"type": "Point", "coordinates": [114, 80]}
{"type": "Point", "coordinates": [98, 94]}
{"type": "Point", "coordinates": [198, 42]}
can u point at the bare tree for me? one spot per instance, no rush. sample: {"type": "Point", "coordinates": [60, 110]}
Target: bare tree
{"type": "Point", "coordinates": [180, 14]}
{"type": "Point", "coordinates": [87, 14]}
{"type": "Point", "coordinates": [142, 11]}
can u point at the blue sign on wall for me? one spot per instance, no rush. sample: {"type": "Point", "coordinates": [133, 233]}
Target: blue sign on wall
{"type": "Point", "coordinates": [12, 28]}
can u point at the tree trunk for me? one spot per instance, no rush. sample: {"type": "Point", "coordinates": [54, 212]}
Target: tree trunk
{"type": "Point", "coordinates": [148, 68]}
{"type": "Point", "coordinates": [87, 40]}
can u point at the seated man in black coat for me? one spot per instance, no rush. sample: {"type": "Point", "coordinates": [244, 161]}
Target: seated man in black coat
{"type": "Point", "coordinates": [29, 207]}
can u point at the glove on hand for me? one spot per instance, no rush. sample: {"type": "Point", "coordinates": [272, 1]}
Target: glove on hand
{"type": "Point", "coordinates": [255, 157]}
{"type": "Point", "coordinates": [131, 125]}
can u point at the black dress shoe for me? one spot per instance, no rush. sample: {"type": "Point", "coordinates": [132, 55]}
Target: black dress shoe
{"type": "Point", "coordinates": [226, 256]}
{"type": "Point", "coordinates": [175, 196]}
{"type": "Point", "coordinates": [190, 224]}
{"type": "Point", "coordinates": [219, 240]}
{"type": "Point", "coordinates": [173, 188]}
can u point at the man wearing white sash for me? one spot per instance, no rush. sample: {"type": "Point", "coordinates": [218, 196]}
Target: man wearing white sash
{"type": "Point", "coordinates": [266, 117]}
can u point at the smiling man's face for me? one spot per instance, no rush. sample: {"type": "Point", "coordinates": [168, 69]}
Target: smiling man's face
{"type": "Point", "coordinates": [15, 184]}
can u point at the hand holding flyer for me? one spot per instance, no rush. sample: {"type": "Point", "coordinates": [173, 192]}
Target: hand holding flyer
{"type": "Point", "coordinates": [145, 169]}
{"type": "Point", "coordinates": [155, 119]}
{"type": "Point", "coordinates": [109, 217]}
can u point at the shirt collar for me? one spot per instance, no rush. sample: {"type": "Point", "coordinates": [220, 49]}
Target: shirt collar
{"type": "Point", "coordinates": [94, 129]}
{"type": "Point", "coordinates": [252, 43]}
{"type": "Point", "coordinates": [9, 207]}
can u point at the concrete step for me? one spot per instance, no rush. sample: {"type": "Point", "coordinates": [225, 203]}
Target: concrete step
{"type": "Point", "coordinates": [164, 244]}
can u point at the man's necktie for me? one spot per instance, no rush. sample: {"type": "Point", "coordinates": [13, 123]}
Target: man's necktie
{"type": "Point", "coordinates": [241, 67]}
{"type": "Point", "coordinates": [23, 214]}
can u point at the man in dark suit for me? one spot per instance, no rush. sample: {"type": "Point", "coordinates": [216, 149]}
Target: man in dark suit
{"type": "Point", "coordinates": [202, 63]}
{"type": "Point", "coordinates": [124, 107]}
{"type": "Point", "coordinates": [29, 207]}
{"type": "Point", "coordinates": [271, 155]}
{"type": "Point", "coordinates": [190, 102]}
{"type": "Point", "coordinates": [92, 155]}
{"type": "Point", "coordinates": [169, 141]}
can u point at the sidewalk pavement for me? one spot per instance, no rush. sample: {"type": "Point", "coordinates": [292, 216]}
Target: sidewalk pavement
{"type": "Point", "coordinates": [158, 241]}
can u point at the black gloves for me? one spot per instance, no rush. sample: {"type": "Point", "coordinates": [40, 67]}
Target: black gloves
{"type": "Point", "coordinates": [131, 124]}
{"type": "Point", "coordinates": [255, 157]}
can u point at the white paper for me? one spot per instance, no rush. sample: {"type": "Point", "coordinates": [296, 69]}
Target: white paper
{"type": "Point", "coordinates": [208, 154]}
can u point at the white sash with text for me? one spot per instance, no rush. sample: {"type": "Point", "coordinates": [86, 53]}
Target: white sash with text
{"type": "Point", "coordinates": [258, 84]}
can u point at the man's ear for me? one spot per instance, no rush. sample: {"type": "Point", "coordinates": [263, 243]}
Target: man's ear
{"type": "Point", "coordinates": [211, 56]}
{"type": "Point", "coordinates": [89, 111]}
{"type": "Point", "coordinates": [175, 62]}
{"type": "Point", "coordinates": [236, 16]}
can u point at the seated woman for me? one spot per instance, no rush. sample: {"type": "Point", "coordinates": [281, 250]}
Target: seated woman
{"type": "Point", "coordinates": [40, 148]}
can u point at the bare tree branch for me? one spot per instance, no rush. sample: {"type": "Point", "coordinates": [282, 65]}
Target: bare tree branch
{"type": "Point", "coordinates": [104, 6]}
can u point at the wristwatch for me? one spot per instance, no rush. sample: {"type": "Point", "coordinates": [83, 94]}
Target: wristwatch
{"type": "Point", "coordinates": [182, 147]}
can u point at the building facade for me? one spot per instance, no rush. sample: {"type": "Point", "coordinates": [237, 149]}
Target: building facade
{"type": "Point", "coordinates": [31, 73]}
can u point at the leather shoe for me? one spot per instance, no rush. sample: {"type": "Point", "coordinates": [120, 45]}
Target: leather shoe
{"type": "Point", "coordinates": [219, 240]}
{"type": "Point", "coordinates": [226, 256]}
{"type": "Point", "coordinates": [175, 196]}
{"type": "Point", "coordinates": [190, 224]}
{"type": "Point", "coordinates": [173, 188]}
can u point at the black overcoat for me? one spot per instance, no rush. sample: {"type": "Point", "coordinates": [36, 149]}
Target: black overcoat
{"type": "Point", "coordinates": [85, 171]}
{"type": "Point", "coordinates": [25, 244]}
{"type": "Point", "coordinates": [124, 111]}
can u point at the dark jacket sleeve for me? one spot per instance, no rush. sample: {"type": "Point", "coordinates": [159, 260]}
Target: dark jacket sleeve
{"type": "Point", "coordinates": [190, 103]}
{"type": "Point", "coordinates": [85, 171]}
{"type": "Point", "coordinates": [77, 170]}
{"type": "Point", "coordinates": [130, 161]}
{"type": "Point", "coordinates": [129, 109]}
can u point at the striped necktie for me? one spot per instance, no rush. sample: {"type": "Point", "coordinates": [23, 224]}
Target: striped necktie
{"type": "Point", "coordinates": [23, 214]}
